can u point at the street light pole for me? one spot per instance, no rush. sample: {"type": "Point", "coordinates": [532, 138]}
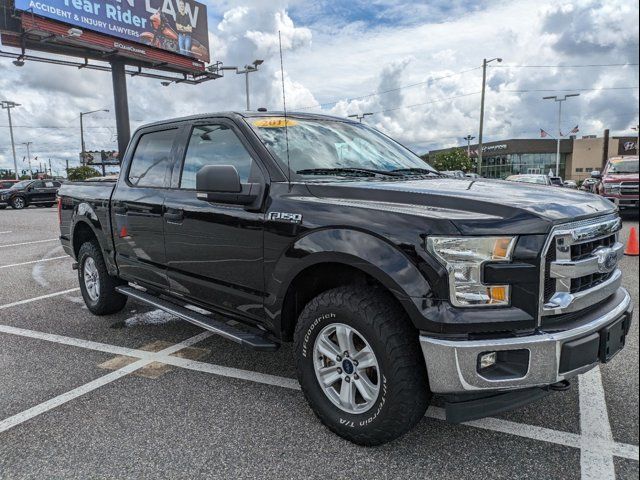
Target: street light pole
{"type": "Point", "coordinates": [28, 144]}
{"type": "Point", "coordinates": [246, 71]}
{"type": "Point", "coordinates": [360, 117]}
{"type": "Point", "coordinates": [485, 62]}
{"type": "Point", "coordinates": [559, 101]}
{"type": "Point", "coordinates": [83, 150]}
{"type": "Point", "coordinates": [468, 138]}
{"type": "Point", "coordinates": [7, 105]}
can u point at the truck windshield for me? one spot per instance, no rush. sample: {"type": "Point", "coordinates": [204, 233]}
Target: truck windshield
{"type": "Point", "coordinates": [335, 148]}
{"type": "Point", "coordinates": [623, 166]}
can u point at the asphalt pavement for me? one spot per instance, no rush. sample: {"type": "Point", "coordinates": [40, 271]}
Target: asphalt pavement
{"type": "Point", "coordinates": [141, 394]}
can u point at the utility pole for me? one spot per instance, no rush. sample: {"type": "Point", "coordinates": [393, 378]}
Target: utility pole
{"type": "Point", "coordinates": [246, 71]}
{"type": "Point", "coordinates": [559, 101]}
{"type": "Point", "coordinates": [485, 62]}
{"type": "Point", "coordinates": [7, 105]}
{"type": "Point", "coordinates": [83, 150]}
{"type": "Point", "coordinates": [360, 117]}
{"type": "Point", "coordinates": [28, 144]}
{"type": "Point", "coordinates": [468, 138]}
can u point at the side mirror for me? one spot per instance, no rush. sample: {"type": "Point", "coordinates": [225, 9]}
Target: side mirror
{"type": "Point", "coordinates": [221, 184]}
{"type": "Point", "coordinates": [596, 174]}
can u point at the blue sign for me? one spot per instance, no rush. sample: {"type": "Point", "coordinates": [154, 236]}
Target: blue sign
{"type": "Point", "coordinates": [178, 26]}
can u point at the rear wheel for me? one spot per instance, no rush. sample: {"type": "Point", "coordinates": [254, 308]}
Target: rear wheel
{"type": "Point", "coordinates": [360, 365]}
{"type": "Point", "coordinates": [18, 203]}
{"type": "Point", "coordinates": [97, 286]}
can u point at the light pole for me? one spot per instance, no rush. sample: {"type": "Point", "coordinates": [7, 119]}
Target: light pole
{"type": "Point", "coordinates": [28, 144]}
{"type": "Point", "coordinates": [468, 138]}
{"type": "Point", "coordinates": [246, 71]}
{"type": "Point", "coordinates": [83, 151]}
{"type": "Point", "coordinates": [559, 101]}
{"type": "Point", "coordinates": [361, 117]}
{"type": "Point", "coordinates": [7, 105]}
{"type": "Point", "coordinates": [485, 62]}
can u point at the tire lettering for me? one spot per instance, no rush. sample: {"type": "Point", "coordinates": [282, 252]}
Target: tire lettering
{"type": "Point", "coordinates": [315, 323]}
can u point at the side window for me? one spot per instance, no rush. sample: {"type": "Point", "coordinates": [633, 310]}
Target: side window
{"type": "Point", "coordinates": [214, 145]}
{"type": "Point", "coordinates": [48, 184]}
{"type": "Point", "coordinates": [152, 159]}
{"type": "Point", "coordinates": [38, 184]}
{"type": "Point", "coordinates": [57, 184]}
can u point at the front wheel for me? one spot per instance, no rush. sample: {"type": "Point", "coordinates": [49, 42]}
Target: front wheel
{"type": "Point", "coordinates": [97, 286]}
{"type": "Point", "coordinates": [360, 365]}
{"type": "Point", "coordinates": [18, 203]}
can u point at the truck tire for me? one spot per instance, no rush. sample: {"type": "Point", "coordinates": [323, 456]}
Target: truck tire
{"type": "Point", "coordinates": [97, 286]}
{"type": "Point", "coordinates": [18, 203]}
{"type": "Point", "coordinates": [374, 381]}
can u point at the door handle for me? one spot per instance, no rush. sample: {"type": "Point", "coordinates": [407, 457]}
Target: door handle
{"type": "Point", "coordinates": [174, 215]}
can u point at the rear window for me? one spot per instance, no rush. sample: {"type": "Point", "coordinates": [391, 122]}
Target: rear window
{"type": "Point", "coordinates": [152, 159]}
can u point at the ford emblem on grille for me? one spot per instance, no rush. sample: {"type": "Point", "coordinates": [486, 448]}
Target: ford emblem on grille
{"type": "Point", "coordinates": [607, 259]}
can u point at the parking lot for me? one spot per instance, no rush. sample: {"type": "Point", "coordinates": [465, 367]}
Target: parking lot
{"type": "Point", "coordinates": [144, 395]}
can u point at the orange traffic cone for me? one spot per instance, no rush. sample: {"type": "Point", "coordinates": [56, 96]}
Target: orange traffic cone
{"type": "Point", "coordinates": [632, 244]}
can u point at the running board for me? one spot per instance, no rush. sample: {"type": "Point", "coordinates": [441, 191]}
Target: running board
{"type": "Point", "coordinates": [246, 339]}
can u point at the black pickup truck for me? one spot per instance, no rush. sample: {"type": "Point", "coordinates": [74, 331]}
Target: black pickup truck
{"type": "Point", "coordinates": [41, 193]}
{"type": "Point", "coordinates": [394, 282]}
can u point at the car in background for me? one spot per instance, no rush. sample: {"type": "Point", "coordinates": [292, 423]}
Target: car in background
{"type": "Point", "coordinates": [453, 173]}
{"type": "Point", "coordinates": [530, 178]}
{"type": "Point", "coordinates": [570, 184]}
{"type": "Point", "coordinates": [556, 181]}
{"type": "Point", "coordinates": [588, 184]}
{"type": "Point", "coordinates": [41, 193]}
{"type": "Point", "coordinates": [472, 175]}
{"type": "Point", "coordinates": [6, 184]}
{"type": "Point", "coordinates": [619, 182]}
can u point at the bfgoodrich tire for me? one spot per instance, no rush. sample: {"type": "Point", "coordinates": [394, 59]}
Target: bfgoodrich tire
{"type": "Point", "coordinates": [97, 286]}
{"type": "Point", "coordinates": [360, 366]}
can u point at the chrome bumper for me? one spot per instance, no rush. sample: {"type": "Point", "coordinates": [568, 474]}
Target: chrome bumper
{"type": "Point", "coordinates": [452, 365]}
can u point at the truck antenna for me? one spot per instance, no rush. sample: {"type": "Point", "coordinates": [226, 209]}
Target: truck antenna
{"type": "Point", "coordinates": [284, 102]}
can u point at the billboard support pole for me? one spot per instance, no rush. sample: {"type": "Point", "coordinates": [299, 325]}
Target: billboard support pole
{"type": "Point", "coordinates": [118, 75]}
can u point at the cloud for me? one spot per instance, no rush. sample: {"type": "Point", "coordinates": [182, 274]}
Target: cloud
{"type": "Point", "coordinates": [423, 54]}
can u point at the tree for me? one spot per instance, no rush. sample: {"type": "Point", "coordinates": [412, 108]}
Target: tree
{"type": "Point", "coordinates": [455, 159]}
{"type": "Point", "coordinates": [78, 174]}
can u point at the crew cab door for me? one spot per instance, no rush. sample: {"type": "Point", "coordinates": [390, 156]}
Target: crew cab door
{"type": "Point", "coordinates": [136, 207]}
{"type": "Point", "coordinates": [215, 251]}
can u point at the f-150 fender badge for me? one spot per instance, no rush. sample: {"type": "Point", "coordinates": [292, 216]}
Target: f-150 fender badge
{"type": "Point", "coordinates": [285, 217]}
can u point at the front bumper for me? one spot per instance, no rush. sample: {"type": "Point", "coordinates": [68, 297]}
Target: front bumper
{"type": "Point", "coordinates": [624, 202]}
{"type": "Point", "coordinates": [453, 365]}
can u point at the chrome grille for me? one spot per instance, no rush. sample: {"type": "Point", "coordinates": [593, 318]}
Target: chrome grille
{"type": "Point", "coordinates": [580, 265]}
{"type": "Point", "coordinates": [629, 188]}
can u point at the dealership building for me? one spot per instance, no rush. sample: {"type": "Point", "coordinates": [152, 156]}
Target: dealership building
{"type": "Point", "coordinates": [578, 156]}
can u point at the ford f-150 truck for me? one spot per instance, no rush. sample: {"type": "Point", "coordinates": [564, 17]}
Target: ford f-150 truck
{"type": "Point", "coordinates": [395, 283]}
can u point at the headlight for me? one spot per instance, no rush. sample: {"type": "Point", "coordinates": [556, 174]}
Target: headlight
{"type": "Point", "coordinates": [464, 257]}
{"type": "Point", "coordinates": [612, 188]}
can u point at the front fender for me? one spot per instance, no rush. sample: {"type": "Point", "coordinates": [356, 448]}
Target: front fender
{"type": "Point", "coordinates": [361, 250]}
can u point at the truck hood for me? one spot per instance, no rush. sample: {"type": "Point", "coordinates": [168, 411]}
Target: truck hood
{"type": "Point", "coordinates": [475, 206]}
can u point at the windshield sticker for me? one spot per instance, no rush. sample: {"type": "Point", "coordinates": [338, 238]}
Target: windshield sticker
{"type": "Point", "coordinates": [275, 123]}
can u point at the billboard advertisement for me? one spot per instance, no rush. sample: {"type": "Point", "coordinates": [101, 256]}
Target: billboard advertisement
{"type": "Point", "coordinates": [177, 26]}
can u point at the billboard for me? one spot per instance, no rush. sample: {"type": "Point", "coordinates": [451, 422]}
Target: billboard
{"type": "Point", "coordinates": [177, 26]}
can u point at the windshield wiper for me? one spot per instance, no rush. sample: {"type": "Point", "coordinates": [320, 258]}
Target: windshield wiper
{"type": "Point", "coordinates": [416, 171]}
{"type": "Point", "coordinates": [369, 172]}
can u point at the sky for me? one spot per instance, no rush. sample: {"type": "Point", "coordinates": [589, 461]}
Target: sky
{"type": "Point", "coordinates": [415, 65]}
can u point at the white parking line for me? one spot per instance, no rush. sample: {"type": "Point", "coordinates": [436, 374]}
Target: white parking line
{"type": "Point", "coordinates": [33, 261]}
{"type": "Point", "coordinates": [35, 299]}
{"type": "Point", "coordinates": [91, 386]}
{"type": "Point", "coordinates": [533, 432]}
{"type": "Point", "coordinates": [596, 460]}
{"type": "Point", "coordinates": [8, 231]}
{"type": "Point", "coordinates": [30, 243]}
